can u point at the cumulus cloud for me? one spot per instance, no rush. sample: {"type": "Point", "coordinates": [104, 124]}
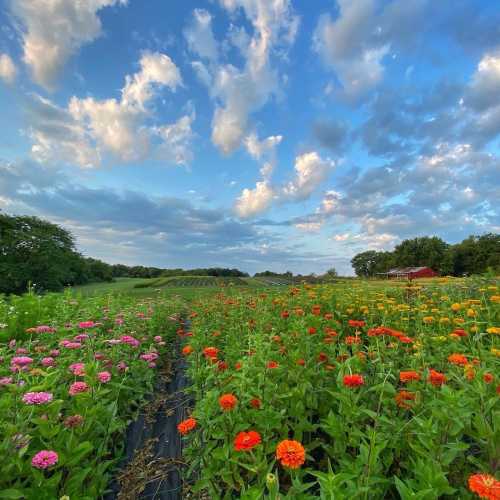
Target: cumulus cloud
{"type": "Point", "coordinates": [254, 201]}
{"type": "Point", "coordinates": [257, 148]}
{"type": "Point", "coordinates": [238, 92]}
{"type": "Point", "coordinates": [8, 70]}
{"type": "Point", "coordinates": [484, 90]}
{"type": "Point", "coordinates": [310, 171]}
{"type": "Point", "coordinates": [52, 31]}
{"type": "Point", "coordinates": [91, 128]}
{"type": "Point", "coordinates": [346, 44]}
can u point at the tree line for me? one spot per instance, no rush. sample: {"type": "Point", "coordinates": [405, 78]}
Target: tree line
{"type": "Point", "coordinates": [38, 253]}
{"type": "Point", "coordinates": [474, 255]}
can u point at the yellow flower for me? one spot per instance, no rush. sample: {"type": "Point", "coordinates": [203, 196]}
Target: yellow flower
{"type": "Point", "coordinates": [474, 328]}
{"type": "Point", "coordinates": [455, 307]}
{"type": "Point", "coordinates": [494, 329]}
{"type": "Point", "coordinates": [444, 320]}
{"type": "Point", "coordinates": [471, 313]}
{"type": "Point", "coordinates": [459, 321]}
{"type": "Point", "coordinates": [496, 352]}
{"type": "Point", "coordinates": [428, 319]}
{"type": "Point", "coordinates": [495, 298]}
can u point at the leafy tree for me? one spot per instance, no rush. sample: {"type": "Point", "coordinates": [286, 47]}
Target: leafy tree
{"type": "Point", "coordinates": [364, 263]}
{"type": "Point", "coordinates": [424, 251]}
{"type": "Point", "coordinates": [33, 250]}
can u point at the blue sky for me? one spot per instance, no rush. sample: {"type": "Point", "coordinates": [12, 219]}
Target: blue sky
{"type": "Point", "coordinates": [259, 134]}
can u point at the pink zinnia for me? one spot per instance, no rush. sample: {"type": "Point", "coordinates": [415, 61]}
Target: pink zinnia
{"type": "Point", "coordinates": [37, 398]}
{"type": "Point", "coordinates": [77, 369]}
{"type": "Point", "coordinates": [73, 421]}
{"type": "Point", "coordinates": [44, 459]}
{"type": "Point", "coordinates": [150, 356]}
{"type": "Point", "coordinates": [55, 352]}
{"type": "Point", "coordinates": [122, 366]}
{"type": "Point", "coordinates": [48, 361]}
{"type": "Point", "coordinates": [45, 329]}
{"type": "Point", "coordinates": [21, 360]}
{"type": "Point", "coordinates": [158, 338]}
{"type": "Point", "coordinates": [86, 324]}
{"type": "Point", "coordinates": [72, 345]}
{"type": "Point", "coordinates": [5, 381]}
{"type": "Point", "coordinates": [21, 350]}
{"type": "Point", "coordinates": [128, 339]}
{"type": "Point", "coordinates": [77, 388]}
{"type": "Point", "coordinates": [104, 377]}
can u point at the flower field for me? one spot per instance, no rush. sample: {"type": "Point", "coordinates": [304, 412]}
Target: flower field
{"type": "Point", "coordinates": [345, 392]}
{"type": "Point", "coordinates": [73, 373]}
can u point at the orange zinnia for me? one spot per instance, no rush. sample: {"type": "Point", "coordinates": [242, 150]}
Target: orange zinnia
{"type": "Point", "coordinates": [457, 359]}
{"type": "Point", "coordinates": [402, 396]}
{"type": "Point", "coordinates": [436, 378]}
{"type": "Point", "coordinates": [186, 426]}
{"type": "Point", "coordinates": [408, 376]}
{"type": "Point", "coordinates": [187, 350]}
{"type": "Point", "coordinates": [291, 454]}
{"type": "Point", "coordinates": [246, 440]}
{"type": "Point", "coordinates": [227, 401]}
{"type": "Point", "coordinates": [485, 486]}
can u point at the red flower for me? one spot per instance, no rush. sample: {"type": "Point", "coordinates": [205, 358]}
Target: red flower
{"type": "Point", "coordinates": [291, 454]}
{"type": "Point", "coordinates": [311, 330]}
{"type": "Point", "coordinates": [356, 323]}
{"type": "Point", "coordinates": [285, 314]}
{"type": "Point", "coordinates": [222, 365]}
{"type": "Point", "coordinates": [186, 426]}
{"type": "Point", "coordinates": [351, 339]}
{"type": "Point", "coordinates": [247, 440]}
{"type": "Point", "coordinates": [237, 366]}
{"type": "Point", "coordinates": [272, 364]}
{"type": "Point", "coordinates": [322, 357]}
{"type": "Point", "coordinates": [437, 379]}
{"type": "Point", "coordinates": [301, 362]}
{"type": "Point", "coordinates": [227, 402]}
{"type": "Point", "coordinates": [488, 378]}
{"type": "Point", "coordinates": [485, 486]}
{"type": "Point", "coordinates": [354, 380]}
{"type": "Point", "coordinates": [210, 353]}
{"type": "Point", "coordinates": [409, 376]}
{"type": "Point", "coordinates": [255, 403]}
{"type": "Point", "coordinates": [316, 310]}
{"type": "Point", "coordinates": [187, 350]}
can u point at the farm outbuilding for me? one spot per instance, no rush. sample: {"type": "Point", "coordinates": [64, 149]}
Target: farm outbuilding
{"type": "Point", "coordinates": [410, 272]}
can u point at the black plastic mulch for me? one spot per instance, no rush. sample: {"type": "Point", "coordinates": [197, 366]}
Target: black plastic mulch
{"type": "Point", "coordinates": [152, 464]}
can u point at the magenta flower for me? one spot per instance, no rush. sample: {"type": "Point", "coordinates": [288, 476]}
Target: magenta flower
{"type": "Point", "coordinates": [86, 324]}
{"type": "Point", "coordinates": [5, 381]}
{"type": "Point", "coordinates": [44, 459]}
{"type": "Point", "coordinates": [77, 388]}
{"type": "Point", "coordinates": [77, 369]}
{"type": "Point", "coordinates": [37, 398]}
{"type": "Point", "coordinates": [157, 338]}
{"type": "Point", "coordinates": [55, 352]}
{"type": "Point", "coordinates": [21, 350]}
{"type": "Point", "coordinates": [149, 357]}
{"type": "Point", "coordinates": [21, 360]}
{"type": "Point", "coordinates": [128, 339]}
{"type": "Point", "coordinates": [48, 361]}
{"type": "Point", "coordinates": [45, 329]}
{"type": "Point", "coordinates": [104, 377]}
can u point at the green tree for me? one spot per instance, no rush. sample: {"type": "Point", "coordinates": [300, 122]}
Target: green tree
{"type": "Point", "coordinates": [36, 251]}
{"type": "Point", "coordinates": [424, 251]}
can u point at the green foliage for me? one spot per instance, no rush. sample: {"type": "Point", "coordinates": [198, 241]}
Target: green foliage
{"type": "Point", "coordinates": [474, 255]}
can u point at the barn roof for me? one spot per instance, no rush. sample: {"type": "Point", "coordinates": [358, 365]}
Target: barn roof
{"type": "Point", "coordinates": [406, 270]}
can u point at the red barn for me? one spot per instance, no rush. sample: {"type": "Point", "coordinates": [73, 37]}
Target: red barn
{"type": "Point", "coordinates": [411, 273]}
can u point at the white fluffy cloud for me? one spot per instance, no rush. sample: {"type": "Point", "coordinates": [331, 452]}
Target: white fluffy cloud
{"type": "Point", "coordinates": [90, 128]}
{"type": "Point", "coordinates": [310, 171]}
{"type": "Point", "coordinates": [257, 148]}
{"type": "Point", "coordinates": [484, 89]}
{"type": "Point", "coordinates": [255, 201]}
{"type": "Point", "coordinates": [156, 69]}
{"type": "Point", "coordinates": [346, 45]}
{"type": "Point", "coordinates": [53, 30]}
{"type": "Point", "coordinates": [8, 70]}
{"type": "Point", "coordinates": [238, 92]}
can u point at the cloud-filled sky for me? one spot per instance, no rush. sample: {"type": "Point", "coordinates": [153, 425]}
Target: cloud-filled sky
{"type": "Point", "coordinates": [259, 134]}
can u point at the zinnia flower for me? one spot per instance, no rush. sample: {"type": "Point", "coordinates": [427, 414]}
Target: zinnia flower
{"type": "Point", "coordinates": [291, 454]}
{"type": "Point", "coordinates": [255, 403]}
{"type": "Point", "coordinates": [37, 398]}
{"type": "Point", "coordinates": [402, 396]}
{"type": "Point", "coordinates": [354, 380]}
{"type": "Point", "coordinates": [227, 402]}
{"type": "Point", "coordinates": [44, 459]}
{"type": "Point", "coordinates": [485, 486]}
{"type": "Point", "coordinates": [409, 376]}
{"type": "Point", "coordinates": [77, 388]}
{"type": "Point", "coordinates": [210, 353]}
{"type": "Point", "coordinates": [77, 369]}
{"type": "Point", "coordinates": [247, 440]}
{"type": "Point", "coordinates": [104, 377]}
{"type": "Point", "coordinates": [457, 359]}
{"type": "Point", "coordinates": [436, 378]}
{"type": "Point", "coordinates": [73, 421]}
{"type": "Point", "coordinates": [272, 364]}
{"type": "Point", "coordinates": [186, 426]}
